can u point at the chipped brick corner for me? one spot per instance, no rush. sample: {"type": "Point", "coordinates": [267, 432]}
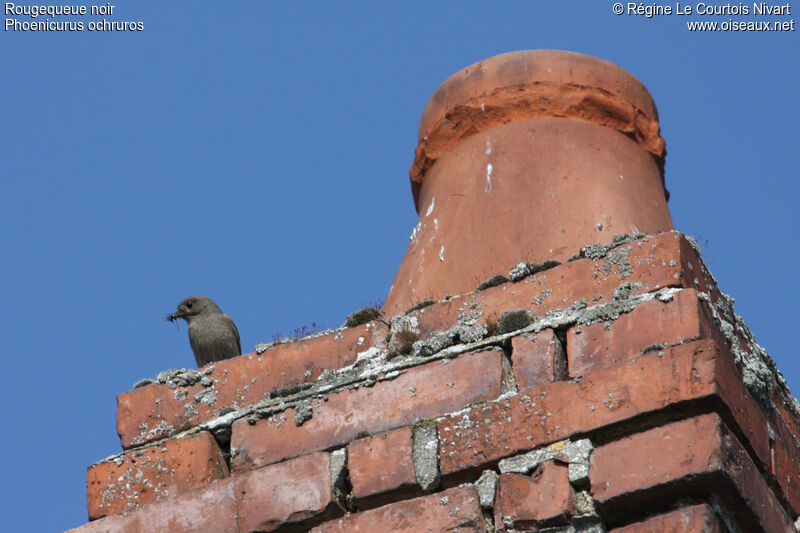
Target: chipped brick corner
{"type": "Point", "coordinates": [520, 380]}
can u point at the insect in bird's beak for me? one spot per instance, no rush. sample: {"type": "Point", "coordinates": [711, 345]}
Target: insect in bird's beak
{"type": "Point", "coordinates": [172, 317]}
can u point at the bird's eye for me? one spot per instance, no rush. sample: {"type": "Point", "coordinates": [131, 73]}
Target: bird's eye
{"type": "Point", "coordinates": [189, 305]}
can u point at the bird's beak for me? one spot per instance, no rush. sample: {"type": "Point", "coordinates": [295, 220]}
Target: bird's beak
{"type": "Point", "coordinates": [174, 316]}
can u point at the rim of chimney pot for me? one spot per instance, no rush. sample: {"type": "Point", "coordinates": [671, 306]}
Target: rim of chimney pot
{"type": "Point", "coordinates": [529, 84]}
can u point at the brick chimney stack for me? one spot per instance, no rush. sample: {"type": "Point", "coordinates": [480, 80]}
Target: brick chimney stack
{"type": "Point", "coordinates": [527, 156]}
{"type": "Point", "coordinates": [615, 392]}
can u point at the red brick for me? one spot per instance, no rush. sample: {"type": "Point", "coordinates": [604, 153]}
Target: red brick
{"type": "Point", "coordinates": [700, 446]}
{"type": "Point", "coordinates": [208, 509]}
{"type": "Point", "coordinates": [693, 371]}
{"type": "Point", "coordinates": [543, 498]}
{"type": "Point", "coordinates": [109, 524]}
{"type": "Point", "coordinates": [786, 446]}
{"type": "Point", "coordinates": [650, 324]}
{"type": "Point", "coordinates": [537, 359]}
{"type": "Point", "coordinates": [157, 411]}
{"type": "Point", "coordinates": [655, 262]}
{"type": "Point", "coordinates": [748, 416]}
{"type": "Point", "coordinates": [380, 464]}
{"type": "Point", "coordinates": [293, 491]}
{"type": "Point", "coordinates": [150, 473]}
{"type": "Point", "coordinates": [694, 274]}
{"type": "Point", "coordinates": [687, 447]}
{"type": "Point", "coordinates": [297, 492]}
{"type": "Point", "coordinates": [695, 519]}
{"type": "Point", "coordinates": [422, 392]}
{"type": "Point", "coordinates": [786, 457]}
{"type": "Point", "coordinates": [456, 509]}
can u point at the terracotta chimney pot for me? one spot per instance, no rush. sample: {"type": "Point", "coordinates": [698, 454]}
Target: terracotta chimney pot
{"type": "Point", "coordinates": [527, 156]}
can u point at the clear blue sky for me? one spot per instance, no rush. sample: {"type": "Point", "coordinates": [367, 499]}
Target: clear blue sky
{"type": "Point", "coordinates": [258, 153]}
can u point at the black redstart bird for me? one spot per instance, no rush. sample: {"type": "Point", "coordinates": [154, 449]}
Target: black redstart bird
{"type": "Point", "coordinates": [212, 333]}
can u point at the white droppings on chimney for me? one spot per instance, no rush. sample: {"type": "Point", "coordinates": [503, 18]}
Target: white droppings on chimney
{"type": "Point", "coordinates": [621, 177]}
{"type": "Point", "coordinates": [430, 207]}
{"type": "Point", "coordinates": [488, 146]}
{"type": "Point", "coordinates": [436, 224]}
{"type": "Point", "coordinates": [441, 254]}
{"type": "Point", "coordinates": [415, 231]}
{"type": "Point", "coordinates": [483, 107]}
{"type": "Point", "coordinates": [367, 355]}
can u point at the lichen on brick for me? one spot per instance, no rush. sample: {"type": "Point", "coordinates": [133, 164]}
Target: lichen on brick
{"type": "Point", "coordinates": [457, 334]}
{"type": "Point", "coordinates": [514, 320]}
{"type": "Point", "coordinates": [208, 396]}
{"type": "Point", "coordinates": [652, 348]}
{"type": "Point", "coordinates": [487, 486]}
{"type": "Point", "coordinates": [182, 377]}
{"type": "Point", "coordinates": [338, 464]}
{"type": "Point", "coordinates": [759, 371]}
{"type": "Point", "coordinates": [470, 334]}
{"type": "Point", "coordinates": [597, 251]}
{"type": "Point", "coordinates": [143, 383]}
{"type": "Point", "coordinates": [494, 281]}
{"type": "Point", "coordinates": [584, 503]}
{"type": "Point", "coordinates": [619, 258]}
{"type": "Point", "coordinates": [419, 305]}
{"type": "Point", "coordinates": [426, 457]}
{"type": "Point", "coordinates": [303, 412]}
{"type": "Point", "coordinates": [621, 303]}
{"type": "Point", "coordinates": [576, 454]}
{"type": "Point", "coordinates": [469, 313]}
{"type": "Point", "coordinates": [433, 344]}
{"type": "Point", "coordinates": [523, 270]}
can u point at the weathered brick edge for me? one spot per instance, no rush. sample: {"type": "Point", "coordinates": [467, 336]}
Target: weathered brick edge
{"type": "Point", "coordinates": [703, 455]}
{"type": "Point", "coordinates": [457, 509]}
{"type": "Point", "coordinates": [699, 518]}
{"type": "Point", "coordinates": [293, 495]}
{"type": "Point", "coordinates": [154, 472]}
